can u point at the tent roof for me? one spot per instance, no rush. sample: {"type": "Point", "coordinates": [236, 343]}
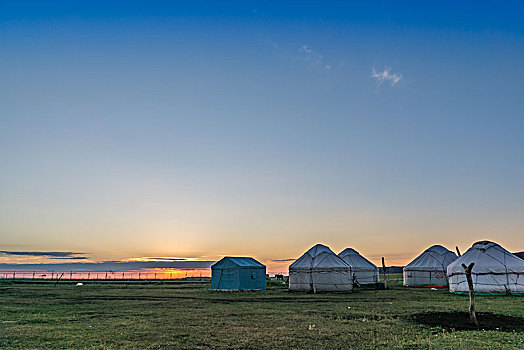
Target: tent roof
{"type": "Point", "coordinates": [354, 259]}
{"type": "Point", "coordinates": [318, 249]}
{"type": "Point", "coordinates": [489, 257]}
{"type": "Point", "coordinates": [238, 261]}
{"type": "Point", "coordinates": [435, 257]}
{"type": "Point", "coordinates": [320, 257]}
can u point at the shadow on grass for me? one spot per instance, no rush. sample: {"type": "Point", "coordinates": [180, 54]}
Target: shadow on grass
{"type": "Point", "coordinates": [459, 321]}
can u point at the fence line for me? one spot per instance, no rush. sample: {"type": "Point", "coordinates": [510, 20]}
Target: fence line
{"type": "Point", "coordinates": [100, 275]}
{"type": "Point", "coordinates": [120, 275]}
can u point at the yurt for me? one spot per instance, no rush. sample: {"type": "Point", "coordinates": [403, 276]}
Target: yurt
{"type": "Point", "coordinates": [496, 271]}
{"type": "Point", "coordinates": [364, 271]}
{"type": "Point", "coordinates": [238, 273]}
{"type": "Point", "coordinates": [320, 270]}
{"type": "Point", "coordinates": [429, 268]}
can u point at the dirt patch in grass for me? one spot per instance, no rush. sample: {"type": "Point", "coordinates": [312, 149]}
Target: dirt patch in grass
{"type": "Point", "coordinates": [459, 321]}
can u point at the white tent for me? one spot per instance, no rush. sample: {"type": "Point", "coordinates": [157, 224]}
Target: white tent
{"type": "Point", "coordinates": [364, 271]}
{"type": "Point", "coordinates": [429, 268]}
{"type": "Point", "coordinates": [496, 271]}
{"type": "Point", "coordinates": [320, 270]}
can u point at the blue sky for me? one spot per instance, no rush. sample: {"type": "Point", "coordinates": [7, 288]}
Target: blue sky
{"type": "Point", "coordinates": [202, 129]}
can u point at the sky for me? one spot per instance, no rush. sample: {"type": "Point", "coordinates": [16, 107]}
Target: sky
{"type": "Point", "coordinates": [199, 129]}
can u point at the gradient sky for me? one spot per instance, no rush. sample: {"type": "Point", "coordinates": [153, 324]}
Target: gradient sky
{"type": "Point", "coordinates": [201, 129]}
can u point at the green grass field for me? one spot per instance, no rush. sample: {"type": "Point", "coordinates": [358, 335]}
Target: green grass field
{"type": "Point", "coordinates": [192, 316]}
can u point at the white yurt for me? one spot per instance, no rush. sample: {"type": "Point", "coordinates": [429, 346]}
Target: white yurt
{"type": "Point", "coordinates": [364, 271]}
{"type": "Point", "coordinates": [496, 271]}
{"type": "Point", "coordinates": [320, 270]}
{"type": "Point", "coordinates": [429, 268]}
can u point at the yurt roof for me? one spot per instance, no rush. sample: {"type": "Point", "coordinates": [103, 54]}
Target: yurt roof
{"type": "Point", "coordinates": [489, 257]}
{"type": "Point", "coordinates": [354, 259]}
{"type": "Point", "coordinates": [319, 256]}
{"type": "Point", "coordinates": [435, 257]}
{"type": "Point", "coordinates": [237, 261]}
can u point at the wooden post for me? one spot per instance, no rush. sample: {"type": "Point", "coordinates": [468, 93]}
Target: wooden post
{"type": "Point", "coordinates": [458, 251]}
{"type": "Point", "coordinates": [384, 273]}
{"type": "Point", "coordinates": [472, 315]}
{"type": "Point", "coordinates": [58, 278]}
{"type": "Point", "coordinates": [313, 286]}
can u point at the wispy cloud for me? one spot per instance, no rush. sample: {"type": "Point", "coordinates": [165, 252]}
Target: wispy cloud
{"type": "Point", "coordinates": [386, 75]}
{"type": "Point", "coordinates": [53, 255]}
{"type": "Point", "coordinates": [37, 260]}
{"type": "Point", "coordinates": [110, 265]}
{"type": "Point", "coordinates": [160, 259]}
{"type": "Point", "coordinates": [307, 57]}
{"type": "Point", "coordinates": [283, 260]}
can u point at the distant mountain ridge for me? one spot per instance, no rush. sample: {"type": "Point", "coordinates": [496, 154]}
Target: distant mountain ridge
{"type": "Point", "coordinates": [392, 269]}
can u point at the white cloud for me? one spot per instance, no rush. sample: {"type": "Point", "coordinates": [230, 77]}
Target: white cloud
{"type": "Point", "coordinates": [306, 49]}
{"type": "Point", "coordinates": [277, 47]}
{"type": "Point", "coordinates": [386, 75]}
{"type": "Point", "coordinates": [307, 57]}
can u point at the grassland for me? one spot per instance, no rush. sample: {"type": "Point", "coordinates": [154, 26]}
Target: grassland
{"type": "Point", "coordinates": [193, 317]}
